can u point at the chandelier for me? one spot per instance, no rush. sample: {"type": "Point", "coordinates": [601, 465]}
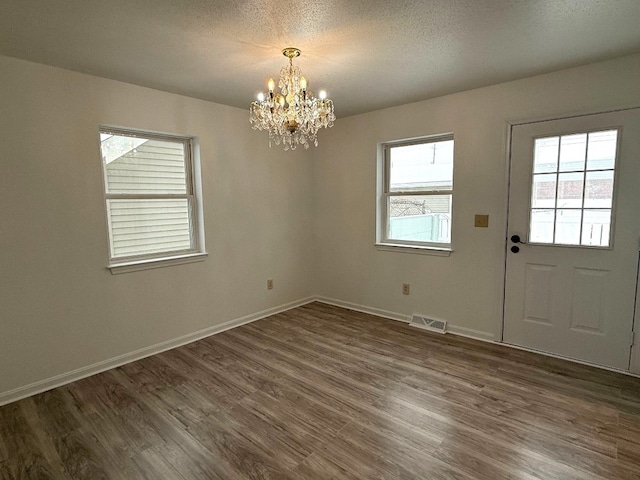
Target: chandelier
{"type": "Point", "coordinates": [293, 116]}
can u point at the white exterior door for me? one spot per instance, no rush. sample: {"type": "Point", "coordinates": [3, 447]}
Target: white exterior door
{"type": "Point", "coordinates": [574, 201]}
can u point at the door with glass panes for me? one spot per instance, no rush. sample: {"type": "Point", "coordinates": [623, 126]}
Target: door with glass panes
{"type": "Point", "coordinates": [573, 228]}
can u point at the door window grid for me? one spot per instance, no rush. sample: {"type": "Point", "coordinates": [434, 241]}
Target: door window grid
{"type": "Point", "coordinates": [572, 189]}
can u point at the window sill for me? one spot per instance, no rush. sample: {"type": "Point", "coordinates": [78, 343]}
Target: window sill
{"type": "Point", "coordinates": [137, 265]}
{"type": "Point", "coordinates": [416, 249]}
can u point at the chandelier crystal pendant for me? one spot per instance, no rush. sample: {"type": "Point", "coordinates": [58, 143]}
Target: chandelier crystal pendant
{"type": "Point", "coordinates": [293, 116]}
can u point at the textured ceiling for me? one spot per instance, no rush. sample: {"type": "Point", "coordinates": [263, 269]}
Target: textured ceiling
{"type": "Point", "coordinates": [367, 54]}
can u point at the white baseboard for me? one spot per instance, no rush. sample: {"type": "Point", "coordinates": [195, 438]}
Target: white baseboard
{"type": "Point", "coordinates": [568, 359]}
{"type": "Point", "coordinates": [83, 372]}
{"type": "Point", "coordinates": [365, 309]}
{"type": "Point", "coordinates": [460, 331]}
{"type": "Point", "coordinates": [471, 333]}
{"type": "Point", "coordinates": [453, 329]}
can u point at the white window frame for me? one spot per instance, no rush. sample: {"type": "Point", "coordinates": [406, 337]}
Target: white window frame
{"type": "Point", "coordinates": [193, 194]}
{"type": "Point", "coordinates": [383, 242]}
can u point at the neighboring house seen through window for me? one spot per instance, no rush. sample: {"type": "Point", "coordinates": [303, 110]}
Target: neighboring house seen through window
{"type": "Point", "coordinates": [152, 209]}
{"type": "Point", "coordinates": [417, 193]}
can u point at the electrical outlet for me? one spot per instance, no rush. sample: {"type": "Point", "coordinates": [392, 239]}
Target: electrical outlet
{"type": "Point", "coordinates": [270, 284]}
{"type": "Point", "coordinates": [406, 290]}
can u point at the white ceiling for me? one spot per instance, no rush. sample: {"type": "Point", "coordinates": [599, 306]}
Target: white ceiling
{"type": "Point", "coordinates": [367, 54]}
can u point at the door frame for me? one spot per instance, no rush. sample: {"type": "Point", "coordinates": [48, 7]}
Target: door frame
{"type": "Point", "coordinates": [634, 360]}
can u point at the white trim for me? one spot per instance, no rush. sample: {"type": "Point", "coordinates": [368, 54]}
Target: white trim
{"type": "Point", "coordinates": [420, 250]}
{"type": "Point", "coordinates": [471, 333]}
{"type": "Point", "coordinates": [634, 361]}
{"type": "Point", "coordinates": [82, 372]}
{"type": "Point", "coordinates": [453, 329]}
{"type": "Point", "coordinates": [149, 263]}
{"type": "Point", "coordinates": [564, 116]}
{"type": "Point", "coordinates": [507, 182]}
{"type": "Point", "coordinates": [193, 192]}
{"type": "Point", "coordinates": [461, 332]}
{"type": "Point", "coordinates": [510, 124]}
{"type": "Point", "coordinates": [634, 357]}
{"type": "Point", "coordinates": [384, 193]}
{"type": "Point", "coordinates": [568, 359]}
{"type": "Point", "coordinates": [378, 312]}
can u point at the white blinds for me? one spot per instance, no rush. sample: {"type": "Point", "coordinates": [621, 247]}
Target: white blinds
{"type": "Point", "coordinates": [149, 195]}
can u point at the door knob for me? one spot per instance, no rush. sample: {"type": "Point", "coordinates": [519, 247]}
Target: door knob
{"type": "Point", "coordinates": [516, 239]}
{"type": "Point", "coordinates": [515, 249]}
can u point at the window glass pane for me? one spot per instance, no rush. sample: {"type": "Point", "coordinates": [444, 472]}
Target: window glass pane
{"type": "Point", "coordinates": [420, 218]}
{"type": "Point", "coordinates": [545, 157]}
{"type": "Point", "coordinates": [596, 227]}
{"type": "Point", "coordinates": [572, 152]}
{"type": "Point", "coordinates": [602, 150]}
{"type": "Point", "coordinates": [543, 193]}
{"type": "Point", "coordinates": [570, 190]}
{"type": "Point", "coordinates": [599, 191]}
{"type": "Point", "coordinates": [425, 166]}
{"type": "Point", "coordinates": [141, 227]}
{"type": "Point", "coordinates": [568, 227]}
{"type": "Point", "coordinates": [541, 229]}
{"type": "Point", "coordinates": [136, 165]}
{"type": "Point", "coordinates": [574, 205]}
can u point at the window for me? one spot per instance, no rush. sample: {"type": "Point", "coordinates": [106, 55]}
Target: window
{"type": "Point", "coordinates": [572, 189]}
{"type": "Point", "coordinates": [417, 193]}
{"type": "Point", "coordinates": [152, 209]}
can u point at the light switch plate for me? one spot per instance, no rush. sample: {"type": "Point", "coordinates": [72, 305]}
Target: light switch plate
{"type": "Point", "coordinates": [482, 221]}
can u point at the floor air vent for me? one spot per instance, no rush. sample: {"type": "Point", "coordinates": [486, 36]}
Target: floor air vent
{"type": "Point", "coordinates": [433, 325]}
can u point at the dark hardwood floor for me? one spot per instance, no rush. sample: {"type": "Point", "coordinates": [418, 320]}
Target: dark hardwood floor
{"type": "Point", "coordinates": [320, 392]}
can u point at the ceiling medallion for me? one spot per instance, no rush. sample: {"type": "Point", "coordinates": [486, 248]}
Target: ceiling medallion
{"type": "Point", "coordinates": [293, 116]}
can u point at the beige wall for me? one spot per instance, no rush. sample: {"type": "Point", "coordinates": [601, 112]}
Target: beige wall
{"type": "Point", "coordinates": [60, 308]}
{"type": "Point", "coordinates": [306, 219]}
{"type": "Point", "coordinates": [465, 288]}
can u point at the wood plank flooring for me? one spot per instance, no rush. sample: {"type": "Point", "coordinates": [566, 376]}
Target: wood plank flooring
{"type": "Point", "coordinates": [321, 392]}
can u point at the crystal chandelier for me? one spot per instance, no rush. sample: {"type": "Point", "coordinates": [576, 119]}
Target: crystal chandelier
{"type": "Point", "coordinates": [293, 116]}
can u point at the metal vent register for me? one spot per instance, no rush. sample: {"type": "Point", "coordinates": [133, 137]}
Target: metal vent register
{"type": "Point", "coordinates": [431, 324]}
